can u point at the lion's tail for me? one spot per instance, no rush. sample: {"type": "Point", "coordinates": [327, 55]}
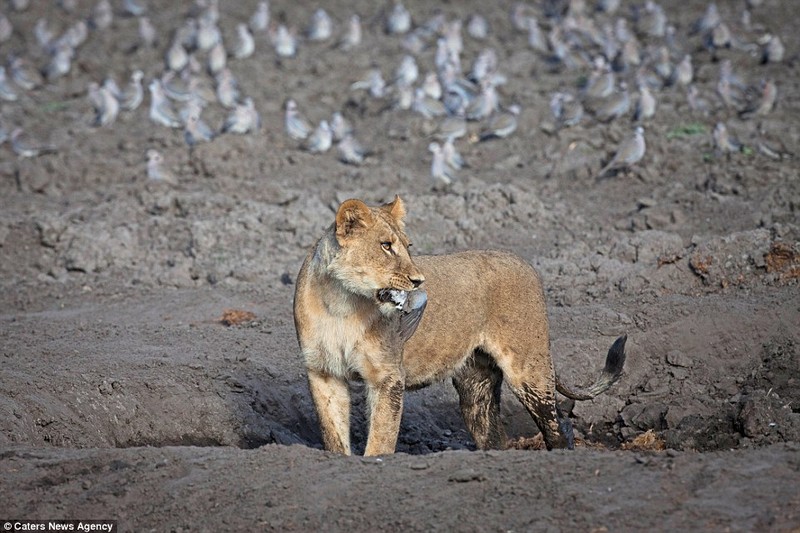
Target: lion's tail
{"type": "Point", "coordinates": [611, 373]}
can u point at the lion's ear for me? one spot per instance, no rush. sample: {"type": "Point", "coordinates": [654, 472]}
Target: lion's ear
{"type": "Point", "coordinates": [351, 216]}
{"type": "Point", "coordinates": [396, 208]}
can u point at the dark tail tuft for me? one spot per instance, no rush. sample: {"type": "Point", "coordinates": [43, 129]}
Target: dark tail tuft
{"type": "Point", "coordinates": [615, 360]}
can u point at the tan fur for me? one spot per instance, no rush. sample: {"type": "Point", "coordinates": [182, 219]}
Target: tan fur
{"type": "Point", "coordinates": [485, 321]}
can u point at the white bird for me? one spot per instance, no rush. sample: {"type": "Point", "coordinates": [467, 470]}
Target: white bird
{"type": "Point", "coordinates": [340, 127]}
{"type": "Point", "coordinates": [352, 36]}
{"type": "Point", "coordinates": [407, 71]}
{"type": "Point", "coordinates": [227, 89]}
{"type": "Point", "coordinates": [24, 146]}
{"type": "Point", "coordinates": [207, 35]}
{"type": "Point", "coordinates": [176, 57]}
{"type": "Point", "coordinates": [197, 131]}
{"type": "Point", "coordinates": [106, 107]}
{"type": "Point", "coordinates": [723, 141]}
{"type": "Point", "coordinates": [646, 105]}
{"type": "Point", "coordinates": [7, 92]}
{"type": "Point", "coordinates": [321, 27]}
{"type": "Point", "coordinates": [321, 140]}
{"type": "Point", "coordinates": [24, 74]}
{"type": "Point", "coordinates": [440, 171]}
{"type": "Point", "coordinates": [132, 97]}
{"type": "Point", "coordinates": [243, 119]}
{"type": "Point", "coordinates": [451, 155]}
{"type": "Point", "coordinates": [246, 44]}
{"type": "Point", "coordinates": [477, 27]}
{"type": "Point", "coordinates": [296, 126]}
{"type": "Point", "coordinates": [133, 8]}
{"type": "Point", "coordinates": [102, 15]}
{"type": "Point", "coordinates": [260, 19]}
{"type": "Point", "coordinates": [350, 151]}
{"type": "Point", "coordinates": [155, 170]}
{"type": "Point", "coordinates": [629, 152]}
{"type": "Point", "coordinates": [161, 111]}
{"type": "Point", "coordinates": [148, 37]}
{"type": "Point", "coordinates": [60, 63]}
{"type": "Point", "coordinates": [399, 19]}
{"type": "Point", "coordinates": [284, 41]}
{"type": "Point", "coordinates": [217, 58]}
{"type": "Point", "coordinates": [374, 83]}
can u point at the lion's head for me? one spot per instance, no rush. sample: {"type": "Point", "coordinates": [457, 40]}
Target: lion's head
{"type": "Point", "coordinates": [373, 256]}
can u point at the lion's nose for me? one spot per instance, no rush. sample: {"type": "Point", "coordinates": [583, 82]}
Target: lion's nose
{"type": "Point", "coordinates": [417, 280]}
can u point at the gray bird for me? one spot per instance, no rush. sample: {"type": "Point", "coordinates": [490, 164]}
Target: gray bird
{"type": "Point", "coordinates": [373, 83]}
{"type": "Point", "coordinates": [763, 101]}
{"type": "Point", "coordinates": [440, 171]}
{"type": "Point", "coordinates": [645, 105]}
{"type": "Point", "coordinates": [156, 171]}
{"type": "Point", "coordinates": [501, 125]}
{"type": "Point", "coordinates": [696, 103]}
{"type": "Point", "coordinates": [7, 92]}
{"type": "Point", "coordinates": [484, 104]}
{"type": "Point", "coordinates": [161, 111]}
{"type": "Point", "coordinates": [427, 106]}
{"type": "Point", "coordinates": [24, 146]}
{"type": "Point", "coordinates": [227, 89]}
{"type": "Point", "coordinates": [536, 38]}
{"type": "Point", "coordinates": [24, 75]}
{"type": "Point", "coordinates": [350, 151]}
{"type": "Point", "coordinates": [60, 63]}
{"type": "Point", "coordinates": [6, 29]}
{"type": "Point", "coordinates": [629, 152]}
{"type": "Point", "coordinates": [131, 98]}
{"type": "Point", "coordinates": [451, 128]}
{"type": "Point", "coordinates": [148, 37]}
{"type": "Point", "coordinates": [684, 72]}
{"type": "Point", "coordinates": [197, 131]}
{"type": "Point", "coordinates": [246, 44]}
{"type": "Point", "coordinates": [616, 105]}
{"type": "Point", "coordinates": [708, 21]}
{"type": "Point", "coordinates": [43, 34]}
{"type": "Point", "coordinates": [566, 109]}
{"type": "Point", "coordinates": [243, 119]}
{"type": "Point", "coordinates": [723, 141]}
{"type": "Point", "coordinates": [321, 140]}
{"type": "Point", "coordinates": [296, 126]}
{"type": "Point", "coordinates": [106, 106]}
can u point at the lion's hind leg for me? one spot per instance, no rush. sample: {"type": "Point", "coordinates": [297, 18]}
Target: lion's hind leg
{"type": "Point", "coordinates": [478, 384]}
{"type": "Point", "coordinates": [541, 404]}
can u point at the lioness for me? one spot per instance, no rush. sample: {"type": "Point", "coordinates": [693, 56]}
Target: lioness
{"type": "Point", "coordinates": [359, 298]}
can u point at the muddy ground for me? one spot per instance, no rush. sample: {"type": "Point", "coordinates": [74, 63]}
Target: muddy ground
{"type": "Point", "coordinates": [123, 396]}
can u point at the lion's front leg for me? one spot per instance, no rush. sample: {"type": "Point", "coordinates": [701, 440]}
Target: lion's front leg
{"type": "Point", "coordinates": [385, 404]}
{"type": "Point", "coordinates": [332, 401]}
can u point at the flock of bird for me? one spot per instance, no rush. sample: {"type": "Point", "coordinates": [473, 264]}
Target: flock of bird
{"type": "Point", "coordinates": [628, 56]}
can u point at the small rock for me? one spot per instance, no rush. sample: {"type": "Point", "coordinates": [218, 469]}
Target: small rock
{"type": "Point", "coordinates": [466, 475]}
{"type": "Point", "coordinates": [678, 358]}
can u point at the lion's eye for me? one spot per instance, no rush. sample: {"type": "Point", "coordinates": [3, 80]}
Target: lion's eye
{"type": "Point", "coordinates": [387, 246]}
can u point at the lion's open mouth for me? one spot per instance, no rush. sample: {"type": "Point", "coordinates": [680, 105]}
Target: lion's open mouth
{"type": "Point", "coordinates": [397, 297]}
